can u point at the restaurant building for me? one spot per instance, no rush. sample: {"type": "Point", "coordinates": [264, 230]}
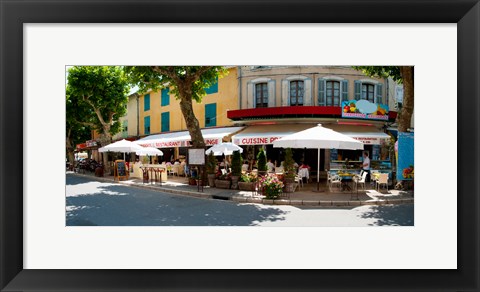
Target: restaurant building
{"type": "Point", "coordinates": [275, 101]}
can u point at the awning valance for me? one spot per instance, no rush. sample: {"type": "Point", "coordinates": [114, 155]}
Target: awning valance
{"type": "Point", "coordinates": [212, 136]}
{"type": "Point", "coordinates": [367, 134]}
{"type": "Point", "coordinates": [266, 134]}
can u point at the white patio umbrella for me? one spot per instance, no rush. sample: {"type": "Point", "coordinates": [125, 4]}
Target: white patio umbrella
{"type": "Point", "coordinates": [226, 148]}
{"type": "Point", "coordinates": [318, 137]}
{"type": "Point", "coordinates": [149, 151]}
{"type": "Point", "coordinates": [122, 146]}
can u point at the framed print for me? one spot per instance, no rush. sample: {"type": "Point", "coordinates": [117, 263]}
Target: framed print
{"type": "Point", "coordinates": [29, 253]}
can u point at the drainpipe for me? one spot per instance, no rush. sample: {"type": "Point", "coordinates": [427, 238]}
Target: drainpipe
{"type": "Point", "coordinates": [138, 116]}
{"type": "Point", "coordinates": [239, 87]}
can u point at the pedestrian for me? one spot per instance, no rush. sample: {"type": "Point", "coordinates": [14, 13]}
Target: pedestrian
{"type": "Point", "coordinates": [366, 166]}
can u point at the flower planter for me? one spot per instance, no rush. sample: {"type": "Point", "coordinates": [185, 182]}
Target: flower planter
{"type": "Point", "coordinates": [235, 179]}
{"type": "Point", "coordinates": [290, 187]}
{"type": "Point", "coordinates": [222, 184]}
{"type": "Point", "coordinates": [192, 181]}
{"type": "Point", "coordinates": [246, 186]}
{"type": "Point", "coordinates": [211, 180]}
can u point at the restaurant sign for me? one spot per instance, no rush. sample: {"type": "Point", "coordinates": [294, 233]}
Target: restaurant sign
{"type": "Point", "coordinates": [369, 140]}
{"type": "Point", "coordinates": [91, 143]}
{"type": "Point", "coordinates": [256, 140]}
{"type": "Point", "coordinates": [364, 109]}
{"type": "Point", "coordinates": [178, 143]}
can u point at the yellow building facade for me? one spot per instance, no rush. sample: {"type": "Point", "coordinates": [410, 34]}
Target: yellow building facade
{"type": "Point", "coordinates": [159, 112]}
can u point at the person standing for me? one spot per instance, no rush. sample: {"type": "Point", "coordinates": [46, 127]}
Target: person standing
{"type": "Point", "coordinates": [366, 166]}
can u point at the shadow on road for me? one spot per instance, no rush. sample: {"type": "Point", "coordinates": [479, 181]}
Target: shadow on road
{"type": "Point", "coordinates": [106, 204]}
{"type": "Point", "coordinates": [391, 215]}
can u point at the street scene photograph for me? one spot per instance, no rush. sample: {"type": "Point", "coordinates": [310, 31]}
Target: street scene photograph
{"type": "Point", "coordinates": [259, 145]}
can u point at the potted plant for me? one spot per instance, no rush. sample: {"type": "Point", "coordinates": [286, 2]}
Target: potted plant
{"type": "Point", "coordinates": [261, 162]}
{"type": "Point", "coordinates": [211, 165]}
{"type": "Point", "coordinates": [247, 181]}
{"type": "Point", "coordinates": [192, 180]}
{"type": "Point", "coordinates": [272, 187]}
{"type": "Point", "coordinates": [223, 181]}
{"type": "Point", "coordinates": [236, 168]}
{"type": "Point", "coordinates": [289, 167]}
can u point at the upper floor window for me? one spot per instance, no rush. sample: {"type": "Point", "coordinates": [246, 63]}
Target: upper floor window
{"type": "Point", "coordinates": [296, 93]}
{"type": "Point", "coordinates": [165, 98]}
{"type": "Point", "coordinates": [368, 92]}
{"type": "Point", "coordinates": [165, 121]}
{"type": "Point", "coordinates": [213, 88]}
{"type": "Point", "coordinates": [146, 125]}
{"type": "Point", "coordinates": [261, 95]}
{"type": "Point", "coordinates": [333, 93]}
{"type": "Point", "coordinates": [146, 102]}
{"type": "Point", "coordinates": [210, 115]}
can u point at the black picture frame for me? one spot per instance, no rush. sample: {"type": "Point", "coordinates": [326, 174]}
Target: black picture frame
{"type": "Point", "coordinates": [14, 14]}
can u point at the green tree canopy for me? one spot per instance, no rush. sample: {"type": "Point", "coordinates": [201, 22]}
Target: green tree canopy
{"type": "Point", "coordinates": [100, 95]}
{"type": "Point", "coordinates": [187, 83]}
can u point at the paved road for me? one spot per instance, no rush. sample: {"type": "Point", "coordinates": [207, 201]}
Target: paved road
{"type": "Point", "coordinates": [91, 202]}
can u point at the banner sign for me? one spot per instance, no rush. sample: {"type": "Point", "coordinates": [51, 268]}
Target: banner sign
{"type": "Point", "coordinates": [363, 109]}
{"type": "Point", "coordinates": [180, 143]}
{"type": "Point", "coordinates": [405, 166]}
{"type": "Point", "coordinates": [91, 143]}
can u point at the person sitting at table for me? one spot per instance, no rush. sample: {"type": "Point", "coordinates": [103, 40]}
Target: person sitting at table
{"type": "Point", "coordinates": [270, 166]}
{"type": "Point", "coordinates": [245, 166]}
{"type": "Point", "coordinates": [304, 165]}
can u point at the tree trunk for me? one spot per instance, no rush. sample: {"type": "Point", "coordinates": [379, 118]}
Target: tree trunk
{"type": "Point", "coordinates": [104, 140]}
{"type": "Point", "coordinates": [406, 113]}
{"type": "Point", "coordinates": [70, 151]}
{"type": "Point", "coordinates": [190, 120]}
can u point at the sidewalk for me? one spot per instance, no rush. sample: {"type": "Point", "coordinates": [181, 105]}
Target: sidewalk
{"type": "Point", "coordinates": [306, 196]}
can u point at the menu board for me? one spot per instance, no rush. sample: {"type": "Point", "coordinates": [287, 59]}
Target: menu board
{"type": "Point", "coordinates": [120, 169]}
{"type": "Point", "coordinates": [196, 156]}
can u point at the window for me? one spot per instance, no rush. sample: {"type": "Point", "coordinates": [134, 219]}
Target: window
{"type": "Point", "coordinates": [125, 129]}
{"type": "Point", "coordinates": [261, 95]}
{"type": "Point", "coordinates": [296, 93]}
{"type": "Point", "coordinates": [165, 99]}
{"type": "Point", "coordinates": [213, 88]}
{"type": "Point", "coordinates": [210, 115]}
{"type": "Point", "coordinates": [146, 125]}
{"type": "Point", "coordinates": [166, 122]}
{"type": "Point", "coordinates": [368, 92]}
{"type": "Point", "coordinates": [146, 102]}
{"type": "Point", "coordinates": [333, 93]}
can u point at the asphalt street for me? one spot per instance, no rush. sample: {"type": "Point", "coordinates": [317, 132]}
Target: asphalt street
{"type": "Point", "coordinates": [93, 203]}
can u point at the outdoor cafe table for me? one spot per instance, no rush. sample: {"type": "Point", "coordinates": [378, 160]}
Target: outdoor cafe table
{"type": "Point", "coordinates": [347, 177]}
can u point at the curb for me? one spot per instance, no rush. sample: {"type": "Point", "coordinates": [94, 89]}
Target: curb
{"type": "Point", "coordinates": [257, 200]}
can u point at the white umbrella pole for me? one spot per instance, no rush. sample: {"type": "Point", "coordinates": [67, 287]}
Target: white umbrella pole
{"type": "Point", "coordinates": [318, 169]}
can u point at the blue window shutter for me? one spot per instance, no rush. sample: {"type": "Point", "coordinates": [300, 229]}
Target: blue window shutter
{"type": "Point", "coordinates": [166, 122]}
{"type": "Point", "coordinates": [165, 97]}
{"type": "Point", "coordinates": [213, 88]}
{"type": "Point", "coordinates": [321, 92]}
{"type": "Point", "coordinates": [146, 125]}
{"type": "Point", "coordinates": [210, 115]}
{"type": "Point", "coordinates": [358, 89]}
{"type": "Point", "coordinates": [146, 102]}
{"type": "Point", "coordinates": [344, 90]}
{"type": "Point", "coordinates": [379, 89]}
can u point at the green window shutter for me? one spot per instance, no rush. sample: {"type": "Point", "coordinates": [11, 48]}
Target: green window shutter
{"type": "Point", "coordinates": [213, 88]}
{"type": "Point", "coordinates": [165, 97]}
{"type": "Point", "coordinates": [210, 115]}
{"type": "Point", "coordinates": [379, 89]}
{"type": "Point", "coordinates": [321, 92]}
{"type": "Point", "coordinates": [146, 102]}
{"type": "Point", "coordinates": [358, 89]}
{"type": "Point", "coordinates": [166, 122]}
{"type": "Point", "coordinates": [146, 125]}
{"type": "Point", "coordinates": [344, 90]}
